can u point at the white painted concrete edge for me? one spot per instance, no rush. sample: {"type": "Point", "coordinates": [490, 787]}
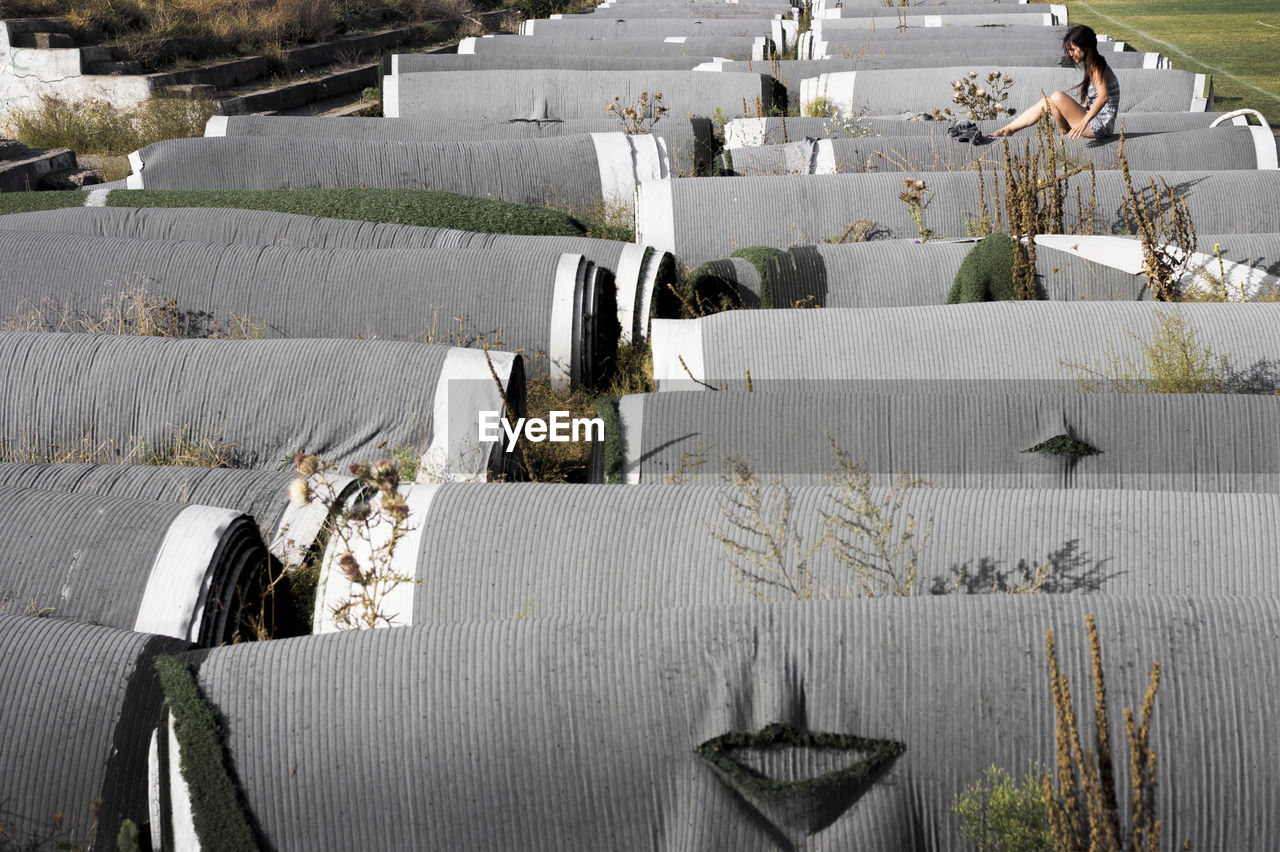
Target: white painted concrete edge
{"type": "Point", "coordinates": [616, 164]}
{"type": "Point", "coordinates": [467, 45]}
{"type": "Point", "coordinates": [455, 452]}
{"type": "Point", "coordinates": [178, 586]}
{"type": "Point", "coordinates": [391, 96]}
{"type": "Point", "coordinates": [627, 278]}
{"type": "Point", "coordinates": [631, 425]}
{"type": "Point", "coordinates": [298, 527]}
{"type": "Point", "coordinates": [655, 215]}
{"type": "Point", "coordinates": [154, 781]}
{"type": "Point", "coordinates": [134, 180]}
{"type": "Point", "coordinates": [216, 126]}
{"type": "Point", "coordinates": [824, 158]}
{"type": "Point", "coordinates": [181, 820]}
{"type": "Point", "coordinates": [671, 342]}
{"type": "Point", "coordinates": [565, 292]}
{"type": "Point", "coordinates": [744, 133]}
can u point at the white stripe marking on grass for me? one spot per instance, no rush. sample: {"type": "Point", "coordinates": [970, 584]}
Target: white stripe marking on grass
{"type": "Point", "coordinates": [1173, 49]}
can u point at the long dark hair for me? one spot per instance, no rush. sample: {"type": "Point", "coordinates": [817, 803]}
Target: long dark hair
{"type": "Point", "coordinates": [1087, 40]}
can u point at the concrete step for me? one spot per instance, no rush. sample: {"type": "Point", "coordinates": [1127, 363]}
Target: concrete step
{"type": "Point", "coordinates": [26, 171]}
{"type": "Point", "coordinates": [77, 178]}
{"type": "Point", "coordinates": [344, 104]}
{"type": "Point", "coordinates": [293, 95]}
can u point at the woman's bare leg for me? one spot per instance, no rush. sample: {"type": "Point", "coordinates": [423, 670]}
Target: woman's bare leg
{"type": "Point", "coordinates": [1066, 112]}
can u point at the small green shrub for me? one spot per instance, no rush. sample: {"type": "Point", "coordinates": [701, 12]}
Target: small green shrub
{"type": "Point", "coordinates": [1173, 361]}
{"type": "Point", "coordinates": [986, 274]}
{"type": "Point", "coordinates": [997, 814]}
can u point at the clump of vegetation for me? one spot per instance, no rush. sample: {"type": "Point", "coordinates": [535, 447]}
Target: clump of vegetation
{"type": "Point", "coordinates": [1031, 198]}
{"type": "Point", "coordinates": [158, 33]}
{"type": "Point", "coordinates": [639, 117]}
{"type": "Point", "coordinates": [768, 553]}
{"type": "Point", "coordinates": [1083, 812]}
{"type": "Point", "coordinates": [134, 311]}
{"type": "Point", "coordinates": [1174, 360]}
{"type": "Point", "coordinates": [368, 530]}
{"type": "Point", "coordinates": [186, 448]}
{"type": "Point", "coordinates": [570, 461]}
{"type": "Point", "coordinates": [986, 273]}
{"type": "Point", "coordinates": [999, 814]}
{"type": "Point", "coordinates": [93, 126]}
{"type": "Point", "coordinates": [859, 231]}
{"type": "Point", "coordinates": [1164, 225]}
{"type": "Point", "coordinates": [914, 196]}
{"type": "Point", "coordinates": [980, 101]}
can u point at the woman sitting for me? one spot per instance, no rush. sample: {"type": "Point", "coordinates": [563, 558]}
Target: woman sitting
{"type": "Point", "coordinates": [1094, 114]}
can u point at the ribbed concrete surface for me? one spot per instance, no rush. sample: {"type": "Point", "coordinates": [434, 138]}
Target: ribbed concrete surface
{"type": "Point", "coordinates": [448, 295]}
{"type": "Point", "coordinates": [95, 558]}
{"type": "Point", "coordinates": [983, 342]}
{"type": "Point", "coordinates": [958, 435]}
{"type": "Point", "coordinates": [619, 26]}
{"type": "Point", "coordinates": [855, 275]}
{"type": "Point", "coordinates": [267, 399]}
{"type": "Point", "coordinates": [261, 494]}
{"type": "Point", "coordinates": [689, 217]}
{"type": "Point", "coordinates": [546, 554]}
{"type": "Point", "coordinates": [730, 47]}
{"type": "Point", "coordinates": [525, 171]}
{"type": "Point", "coordinates": [581, 732]}
{"type": "Point", "coordinates": [79, 703]}
{"type": "Point", "coordinates": [1207, 149]}
{"type": "Point", "coordinates": [775, 130]}
{"type": "Point", "coordinates": [889, 92]}
{"type": "Point", "coordinates": [689, 140]}
{"type": "Point", "coordinates": [269, 228]}
{"type": "Point", "coordinates": [540, 94]}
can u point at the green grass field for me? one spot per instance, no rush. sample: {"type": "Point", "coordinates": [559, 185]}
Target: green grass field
{"type": "Point", "coordinates": [1237, 41]}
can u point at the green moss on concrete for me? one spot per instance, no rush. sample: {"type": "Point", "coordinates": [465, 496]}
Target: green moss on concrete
{"type": "Point", "coordinates": [220, 820]}
{"type": "Point", "coordinates": [607, 410]}
{"type": "Point", "coordinates": [986, 274]}
{"type": "Point", "coordinates": [759, 257]}
{"type": "Point", "coordinates": [393, 206]}
{"type": "Point", "coordinates": [26, 202]}
{"type": "Point", "coordinates": [1065, 445]}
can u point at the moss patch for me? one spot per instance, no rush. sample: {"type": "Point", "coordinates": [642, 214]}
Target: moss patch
{"type": "Point", "coordinates": [801, 805]}
{"type": "Point", "coordinates": [986, 274]}
{"type": "Point", "coordinates": [1065, 445]}
{"type": "Point", "coordinates": [394, 206]}
{"type": "Point", "coordinates": [759, 257]}
{"type": "Point", "coordinates": [607, 409]}
{"type": "Point", "coordinates": [220, 820]}
{"type": "Point", "coordinates": [26, 202]}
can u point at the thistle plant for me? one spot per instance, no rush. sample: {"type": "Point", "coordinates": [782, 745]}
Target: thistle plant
{"type": "Point", "coordinates": [639, 117]}
{"type": "Point", "coordinates": [981, 100]}
{"type": "Point", "coordinates": [368, 530]}
{"type": "Point", "coordinates": [914, 197]}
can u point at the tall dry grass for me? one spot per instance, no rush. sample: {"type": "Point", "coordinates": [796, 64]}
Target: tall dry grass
{"type": "Point", "coordinates": [94, 126]}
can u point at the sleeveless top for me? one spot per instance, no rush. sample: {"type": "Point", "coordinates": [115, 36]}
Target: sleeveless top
{"type": "Point", "coordinates": [1104, 123]}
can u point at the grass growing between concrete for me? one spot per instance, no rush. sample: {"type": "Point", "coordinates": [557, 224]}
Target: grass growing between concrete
{"type": "Point", "coordinates": [1234, 40]}
{"type": "Point", "coordinates": [92, 126]}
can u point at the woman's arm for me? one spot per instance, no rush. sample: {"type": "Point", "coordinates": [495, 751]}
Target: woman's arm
{"type": "Point", "coordinates": [1100, 87]}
